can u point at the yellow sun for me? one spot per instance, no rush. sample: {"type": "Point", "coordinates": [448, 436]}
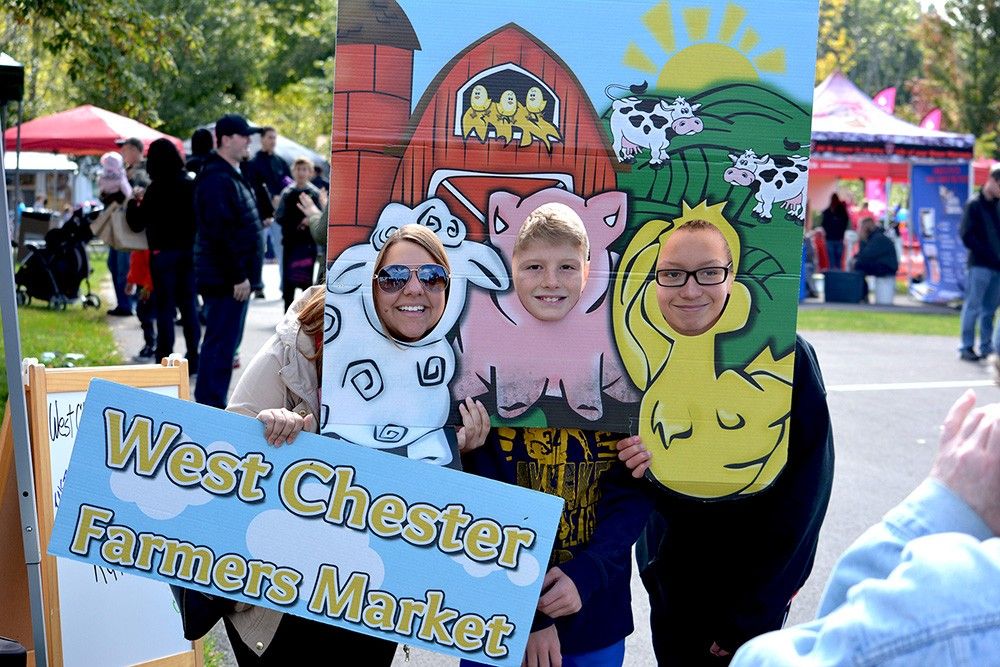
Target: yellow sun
{"type": "Point", "coordinates": [704, 62]}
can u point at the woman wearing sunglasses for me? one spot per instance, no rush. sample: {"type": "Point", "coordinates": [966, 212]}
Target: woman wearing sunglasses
{"type": "Point", "coordinates": [281, 388]}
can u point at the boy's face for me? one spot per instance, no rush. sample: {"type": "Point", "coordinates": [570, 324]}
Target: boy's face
{"type": "Point", "coordinates": [301, 173]}
{"type": "Point", "coordinates": [549, 278]}
{"type": "Point", "coordinates": [693, 309]}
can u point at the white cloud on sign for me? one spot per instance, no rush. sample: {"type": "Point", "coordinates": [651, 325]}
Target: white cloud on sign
{"type": "Point", "coordinates": [158, 497]}
{"type": "Point", "coordinates": [304, 544]}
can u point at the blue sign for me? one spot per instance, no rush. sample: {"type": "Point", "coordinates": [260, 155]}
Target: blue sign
{"type": "Point", "coordinates": [938, 194]}
{"type": "Point", "coordinates": [364, 540]}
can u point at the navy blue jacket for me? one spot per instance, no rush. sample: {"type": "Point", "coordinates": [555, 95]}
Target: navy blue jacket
{"type": "Point", "coordinates": [605, 511]}
{"type": "Point", "coordinates": [980, 232]}
{"type": "Point", "coordinates": [227, 247]}
{"type": "Point", "coordinates": [877, 256]}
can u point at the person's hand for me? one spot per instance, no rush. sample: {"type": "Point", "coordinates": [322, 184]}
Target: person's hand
{"type": "Point", "coordinates": [635, 455]}
{"type": "Point", "coordinates": [718, 651]}
{"type": "Point", "coordinates": [307, 205]}
{"type": "Point", "coordinates": [267, 222]}
{"type": "Point", "coordinates": [559, 595]}
{"type": "Point", "coordinates": [543, 649]}
{"type": "Point", "coordinates": [475, 425]}
{"type": "Point", "coordinates": [968, 459]}
{"type": "Point", "coordinates": [281, 426]}
{"type": "Point", "coordinates": [241, 292]}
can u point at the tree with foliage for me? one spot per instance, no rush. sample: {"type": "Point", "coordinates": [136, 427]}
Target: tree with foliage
{"type": "Point", "coordinates": [961, 48]}
{"type": "Point", "coordinates": [178, 64]}
{"type": "Point", "coordinates": [869, 41]}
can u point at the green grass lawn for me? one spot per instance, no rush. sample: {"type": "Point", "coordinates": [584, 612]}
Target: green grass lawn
{"type": "Point", "coordinates": [65, 332]}
{"type": "Point", "coordinates": [926, 324]}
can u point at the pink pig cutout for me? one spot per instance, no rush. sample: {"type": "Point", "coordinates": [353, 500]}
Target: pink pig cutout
{"type": "Point", "coordinates": [502, 345]}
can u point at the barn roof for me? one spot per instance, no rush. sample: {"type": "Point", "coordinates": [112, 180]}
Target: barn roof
{"type": "Point", "coordinates": [379, 22]}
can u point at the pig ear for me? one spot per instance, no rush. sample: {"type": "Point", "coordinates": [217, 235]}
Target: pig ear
{"type": "Point", "coordinates": [611, 208]}
{"type": "Point", "coordinates": [482, 266]}
{"type": "Point", "coordinates": [501, 201]}
{"type": "Point", "coordinates": [351, 270]}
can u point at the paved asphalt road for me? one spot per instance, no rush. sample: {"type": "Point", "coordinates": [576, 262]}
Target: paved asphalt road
{"type": "Point", "coordinates": [887, 395]}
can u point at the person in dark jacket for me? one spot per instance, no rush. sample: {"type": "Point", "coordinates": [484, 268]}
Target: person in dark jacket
{"type": "Point", "coordinates": [227, 254]}
{"type": "Point", "coordinates": [269, 174]}
{"type": "Point", "coordinates": [877, 255]}
{"type": "Point", "coordinates": [835, 221]}
{"type": "Point", "coordinates": [166, 212]}
{"type": "Point", "coordinates": [201, 148]}
{"type": "Point", "coordinates": [720, 573]}
{"type": "Point", "coordinates": [980, 232]}
{"type": "Point", "coordinates": [299, 250]}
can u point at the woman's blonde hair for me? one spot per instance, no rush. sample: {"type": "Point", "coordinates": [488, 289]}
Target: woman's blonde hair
{"type": "Point", "coordinates": [311, 314]}
{"type": "Point", "coordinates": [420, 235]}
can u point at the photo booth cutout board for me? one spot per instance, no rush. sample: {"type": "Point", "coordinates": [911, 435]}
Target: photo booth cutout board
{"type": "Point", "coordinates": [89, 612]}
{"type": "Point", "coordinates": [325, 530]}
{"type": "Point", "coordinates": [464, 122]}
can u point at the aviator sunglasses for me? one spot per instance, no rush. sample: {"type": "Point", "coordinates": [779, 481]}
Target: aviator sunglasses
{"type": "Point", "coordinates": [392, 278]}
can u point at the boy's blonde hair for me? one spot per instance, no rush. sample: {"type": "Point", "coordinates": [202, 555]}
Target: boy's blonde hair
{"type": "Point", "coordinates": [303, 160]}
{"type": "Point", "coordinates": [554, 223]}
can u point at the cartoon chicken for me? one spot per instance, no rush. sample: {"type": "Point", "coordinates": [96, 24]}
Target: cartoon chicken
{"type": "Point", "coordinates": [531, 122]}
{"type": "Point", "coordinates": [502, 115]}
{"type": "Point", "coordinates": [474, 121]}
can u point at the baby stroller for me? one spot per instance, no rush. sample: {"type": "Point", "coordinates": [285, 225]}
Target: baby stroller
{"type": "Point", "coordinates": [54, 271]}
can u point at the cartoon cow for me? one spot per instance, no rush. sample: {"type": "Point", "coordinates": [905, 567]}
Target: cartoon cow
{"type": "Point", "coordinates": [638, 123]}
{"type": "Point", "coordinates": [384, 393]}
{"type": "Point", "coordinates": [573, 357]}
{"type": "Point", "coordinates": [781, 179]}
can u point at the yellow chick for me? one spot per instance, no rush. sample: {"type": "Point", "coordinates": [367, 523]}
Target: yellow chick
{"type": "Point", "coordinates": [502, 117]}
{"type": "Point", "coordinates": [531, 122]}
{"type": "Point", "coordinates": [474, 119]}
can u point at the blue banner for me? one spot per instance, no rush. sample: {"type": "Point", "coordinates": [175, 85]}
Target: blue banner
{"type": "Point", "coordinates": [364, 540]}
{"type": "Point", "coordinates": [938, 194]}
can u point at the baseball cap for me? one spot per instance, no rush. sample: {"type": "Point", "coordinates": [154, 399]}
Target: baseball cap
{"type": "Point", "coordinates": [234, 124]}
{"type": "Point", "coordinates": [135, 142]}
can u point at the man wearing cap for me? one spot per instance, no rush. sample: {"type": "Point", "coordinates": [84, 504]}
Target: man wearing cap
{"type": "Point", "coordinates": [118, 260]}
{"type": "Point", "coordinates": [227, 254]}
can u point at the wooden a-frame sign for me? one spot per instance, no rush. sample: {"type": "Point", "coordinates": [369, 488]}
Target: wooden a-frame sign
{"type": "Point", "coordinates": [69, 619]}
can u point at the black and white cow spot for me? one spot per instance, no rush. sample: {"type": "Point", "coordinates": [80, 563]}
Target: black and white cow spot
{"type": "Point", "coordinates": [431, 372]}
{"type": "Point", "coordinates": [365, 377]}
{"type": "Point", "coordinates": [789, 176]}
{"type": "Point", "coordinates": [331, 323]}
{"type": "Point", "coordinates": [647, 106]}
{"type": "Point", "coordinates": [646, 129]}
{"type": "Point", "coordinates": [636, 120]}
{"type": "Point", "coordinates": [389, 433]}
{"type": "Point", "coordinates": [767, 175]}
{"type": "Point", "coordinates": [658, 121]}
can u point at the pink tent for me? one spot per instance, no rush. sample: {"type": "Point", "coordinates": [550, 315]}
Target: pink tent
{"type": "Point", "coordinates": [85, 130]}
{"type": "Point", "coordinates": [847, 124]}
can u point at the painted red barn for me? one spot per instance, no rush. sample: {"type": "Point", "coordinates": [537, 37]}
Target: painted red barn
{"type": "Point", "coordinates": [504, 114]}
{"type": "Point", "coordinates": [441, 161]}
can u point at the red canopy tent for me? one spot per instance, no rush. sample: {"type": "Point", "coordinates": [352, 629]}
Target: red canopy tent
{"type": "Point", "coordinates": [85, 130]}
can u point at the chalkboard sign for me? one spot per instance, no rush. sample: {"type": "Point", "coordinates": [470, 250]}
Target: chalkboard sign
{"type": "Point", "coordinates": [139, 623]}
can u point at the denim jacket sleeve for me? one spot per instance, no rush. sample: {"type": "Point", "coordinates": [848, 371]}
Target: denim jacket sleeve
{"type": "Point", "coordinates": [900, 595]}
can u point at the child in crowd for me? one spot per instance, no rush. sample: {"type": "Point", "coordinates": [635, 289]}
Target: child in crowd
{"type": "Point", "coordinates": [298, 248]}
{"type": "Point", "coordinates": [113, 184]}
{"type": "Point", "coordinates": [584, 613]}
{"type": "Point", "coordinates": [140, 284]}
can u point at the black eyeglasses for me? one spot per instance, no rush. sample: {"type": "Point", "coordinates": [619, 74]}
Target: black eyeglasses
{"type": "Point", "coordinates": [393, 278]}
{"type": "Point", "coordinates": [710, 275]}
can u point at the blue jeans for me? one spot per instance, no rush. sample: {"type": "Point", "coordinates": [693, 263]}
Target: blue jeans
{"type": "Point", "coordinates": [118, 266]}
{"type": "Point", "coordinates": [610, 656]}
{"type": "Point", "coordinates": [982, 294]}
{"type": "Point", "coordinates": [835, 252]}
{"type": "Point", "coordinates": [173, 287]}
{"type": "Point", "coordinates": [224, 318]}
